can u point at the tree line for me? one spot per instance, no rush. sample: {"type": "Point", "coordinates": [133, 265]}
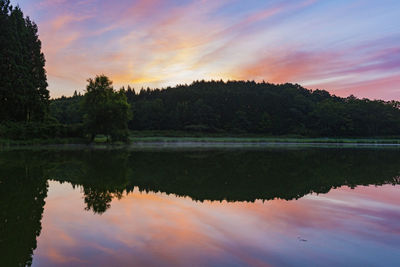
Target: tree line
{"type": "Point", "coordinates": [250, 108]}
{"type": "Point", "coordinates": [243, 107]}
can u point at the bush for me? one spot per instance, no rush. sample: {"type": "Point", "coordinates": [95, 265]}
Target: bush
{"type": "Point", "coordinates": [120, 135]}
{"type": "Point", "coordinates": [38, 130]}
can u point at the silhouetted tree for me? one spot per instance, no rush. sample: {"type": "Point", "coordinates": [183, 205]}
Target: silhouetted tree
{"type": "Point", "coordinates": [23, 82]}
{"type": "Point", "coordinates": [106, 111]}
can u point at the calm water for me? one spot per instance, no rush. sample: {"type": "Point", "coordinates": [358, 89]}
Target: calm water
{"type": "Point", "coordinates": [272, 207]}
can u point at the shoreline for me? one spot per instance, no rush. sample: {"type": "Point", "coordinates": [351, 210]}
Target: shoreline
{"type": "Point", "coordinates": [160, 143]}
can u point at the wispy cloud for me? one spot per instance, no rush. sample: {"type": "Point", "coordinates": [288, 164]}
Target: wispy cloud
{"type": "Point", "coordinates": [331, 45]}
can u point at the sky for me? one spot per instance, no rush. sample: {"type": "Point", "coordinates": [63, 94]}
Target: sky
{"type": "Point", "coordinates": [343, 46]}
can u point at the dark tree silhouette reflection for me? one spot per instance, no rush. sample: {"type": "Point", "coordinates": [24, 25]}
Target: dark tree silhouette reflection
{"type": "Point", "coordinates": [231, 175]}
{"type": "Point", "coordinates": [23, 189]}
{"type": "Point", "coordinates": [99, 201]}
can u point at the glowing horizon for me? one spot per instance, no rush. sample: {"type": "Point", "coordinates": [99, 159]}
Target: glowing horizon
{"type": "Point", "coordinates": [345, 47]}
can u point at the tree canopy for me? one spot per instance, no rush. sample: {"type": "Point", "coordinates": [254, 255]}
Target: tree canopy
{"type": "Point", "coordinates": [106, 111]}
{"type": "Point", "coordinates": [255, 108]}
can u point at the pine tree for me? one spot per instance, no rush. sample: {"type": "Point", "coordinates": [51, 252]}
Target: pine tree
{"type": "Point", "coordinates": [23, 83]}
{"type": "Point", "coordinates": [6, 59]}
{"type": "Point", "coordinates": [38, 100]}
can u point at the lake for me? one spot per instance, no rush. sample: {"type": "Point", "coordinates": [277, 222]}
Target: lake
{"type": "Point", "coordinates": [272, 206]}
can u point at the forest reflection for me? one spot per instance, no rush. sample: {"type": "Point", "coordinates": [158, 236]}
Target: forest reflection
{"type": "Point", "coordinates": [220, 175]}
{"type": "Point", "coordinates": [230, 175]}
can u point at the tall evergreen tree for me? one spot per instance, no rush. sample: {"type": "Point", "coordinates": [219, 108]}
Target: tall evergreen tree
{"type": "Point", "coordinates": [23, 83]}
{"type": "Point", "coordinates": [6, 59]}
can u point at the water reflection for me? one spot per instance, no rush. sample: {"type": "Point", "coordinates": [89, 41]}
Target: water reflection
{"type": "Point", "coordinates": [229, 175]}
{"type": "Point", "coordinates": [153, 218]}
{"type": "Point", "coordinates": [343, 227]}
{"type": "Point", "coordinates": [23, 188]}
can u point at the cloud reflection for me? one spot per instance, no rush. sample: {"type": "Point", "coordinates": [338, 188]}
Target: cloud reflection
{"type": "Point", "coordinates": [159, 229]}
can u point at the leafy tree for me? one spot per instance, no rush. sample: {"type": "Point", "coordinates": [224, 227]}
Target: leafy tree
{"type": "Point", "coordinates": [67, 110]}
{"type": "Point", "coordinates": [106, 111]}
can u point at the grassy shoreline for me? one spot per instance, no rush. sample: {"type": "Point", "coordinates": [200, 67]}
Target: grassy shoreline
{"type": "Point", "coordinates": [181, 138]}
{"type": "Point", "coordinates": [161, 139]}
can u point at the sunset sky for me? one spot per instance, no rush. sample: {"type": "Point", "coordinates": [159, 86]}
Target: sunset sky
{"type": "Point", "coordinates": [346, 47]}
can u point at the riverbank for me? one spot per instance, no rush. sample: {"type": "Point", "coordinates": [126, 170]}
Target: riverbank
{"type": "Point", "coordinates": [164, 139]}
{"type": "Point", "coordinates": [182, 136]}
{"type": "Point", "coordinates": [146, 141]}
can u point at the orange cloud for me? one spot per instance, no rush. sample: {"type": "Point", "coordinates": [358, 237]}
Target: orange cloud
{"type": "Point", "coordinates": [158, 43]}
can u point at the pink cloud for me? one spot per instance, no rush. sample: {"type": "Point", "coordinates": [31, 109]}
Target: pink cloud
{"type": "Point", "coordinates": [157, 43]}
{"type": "Point", "coordinates": [354, 70]}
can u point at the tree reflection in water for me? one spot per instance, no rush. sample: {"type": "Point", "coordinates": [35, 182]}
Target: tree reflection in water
{"type": "Point", "coordinates": [23, 189]}
{"type": "Point", "coordinates": [231, 175]}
